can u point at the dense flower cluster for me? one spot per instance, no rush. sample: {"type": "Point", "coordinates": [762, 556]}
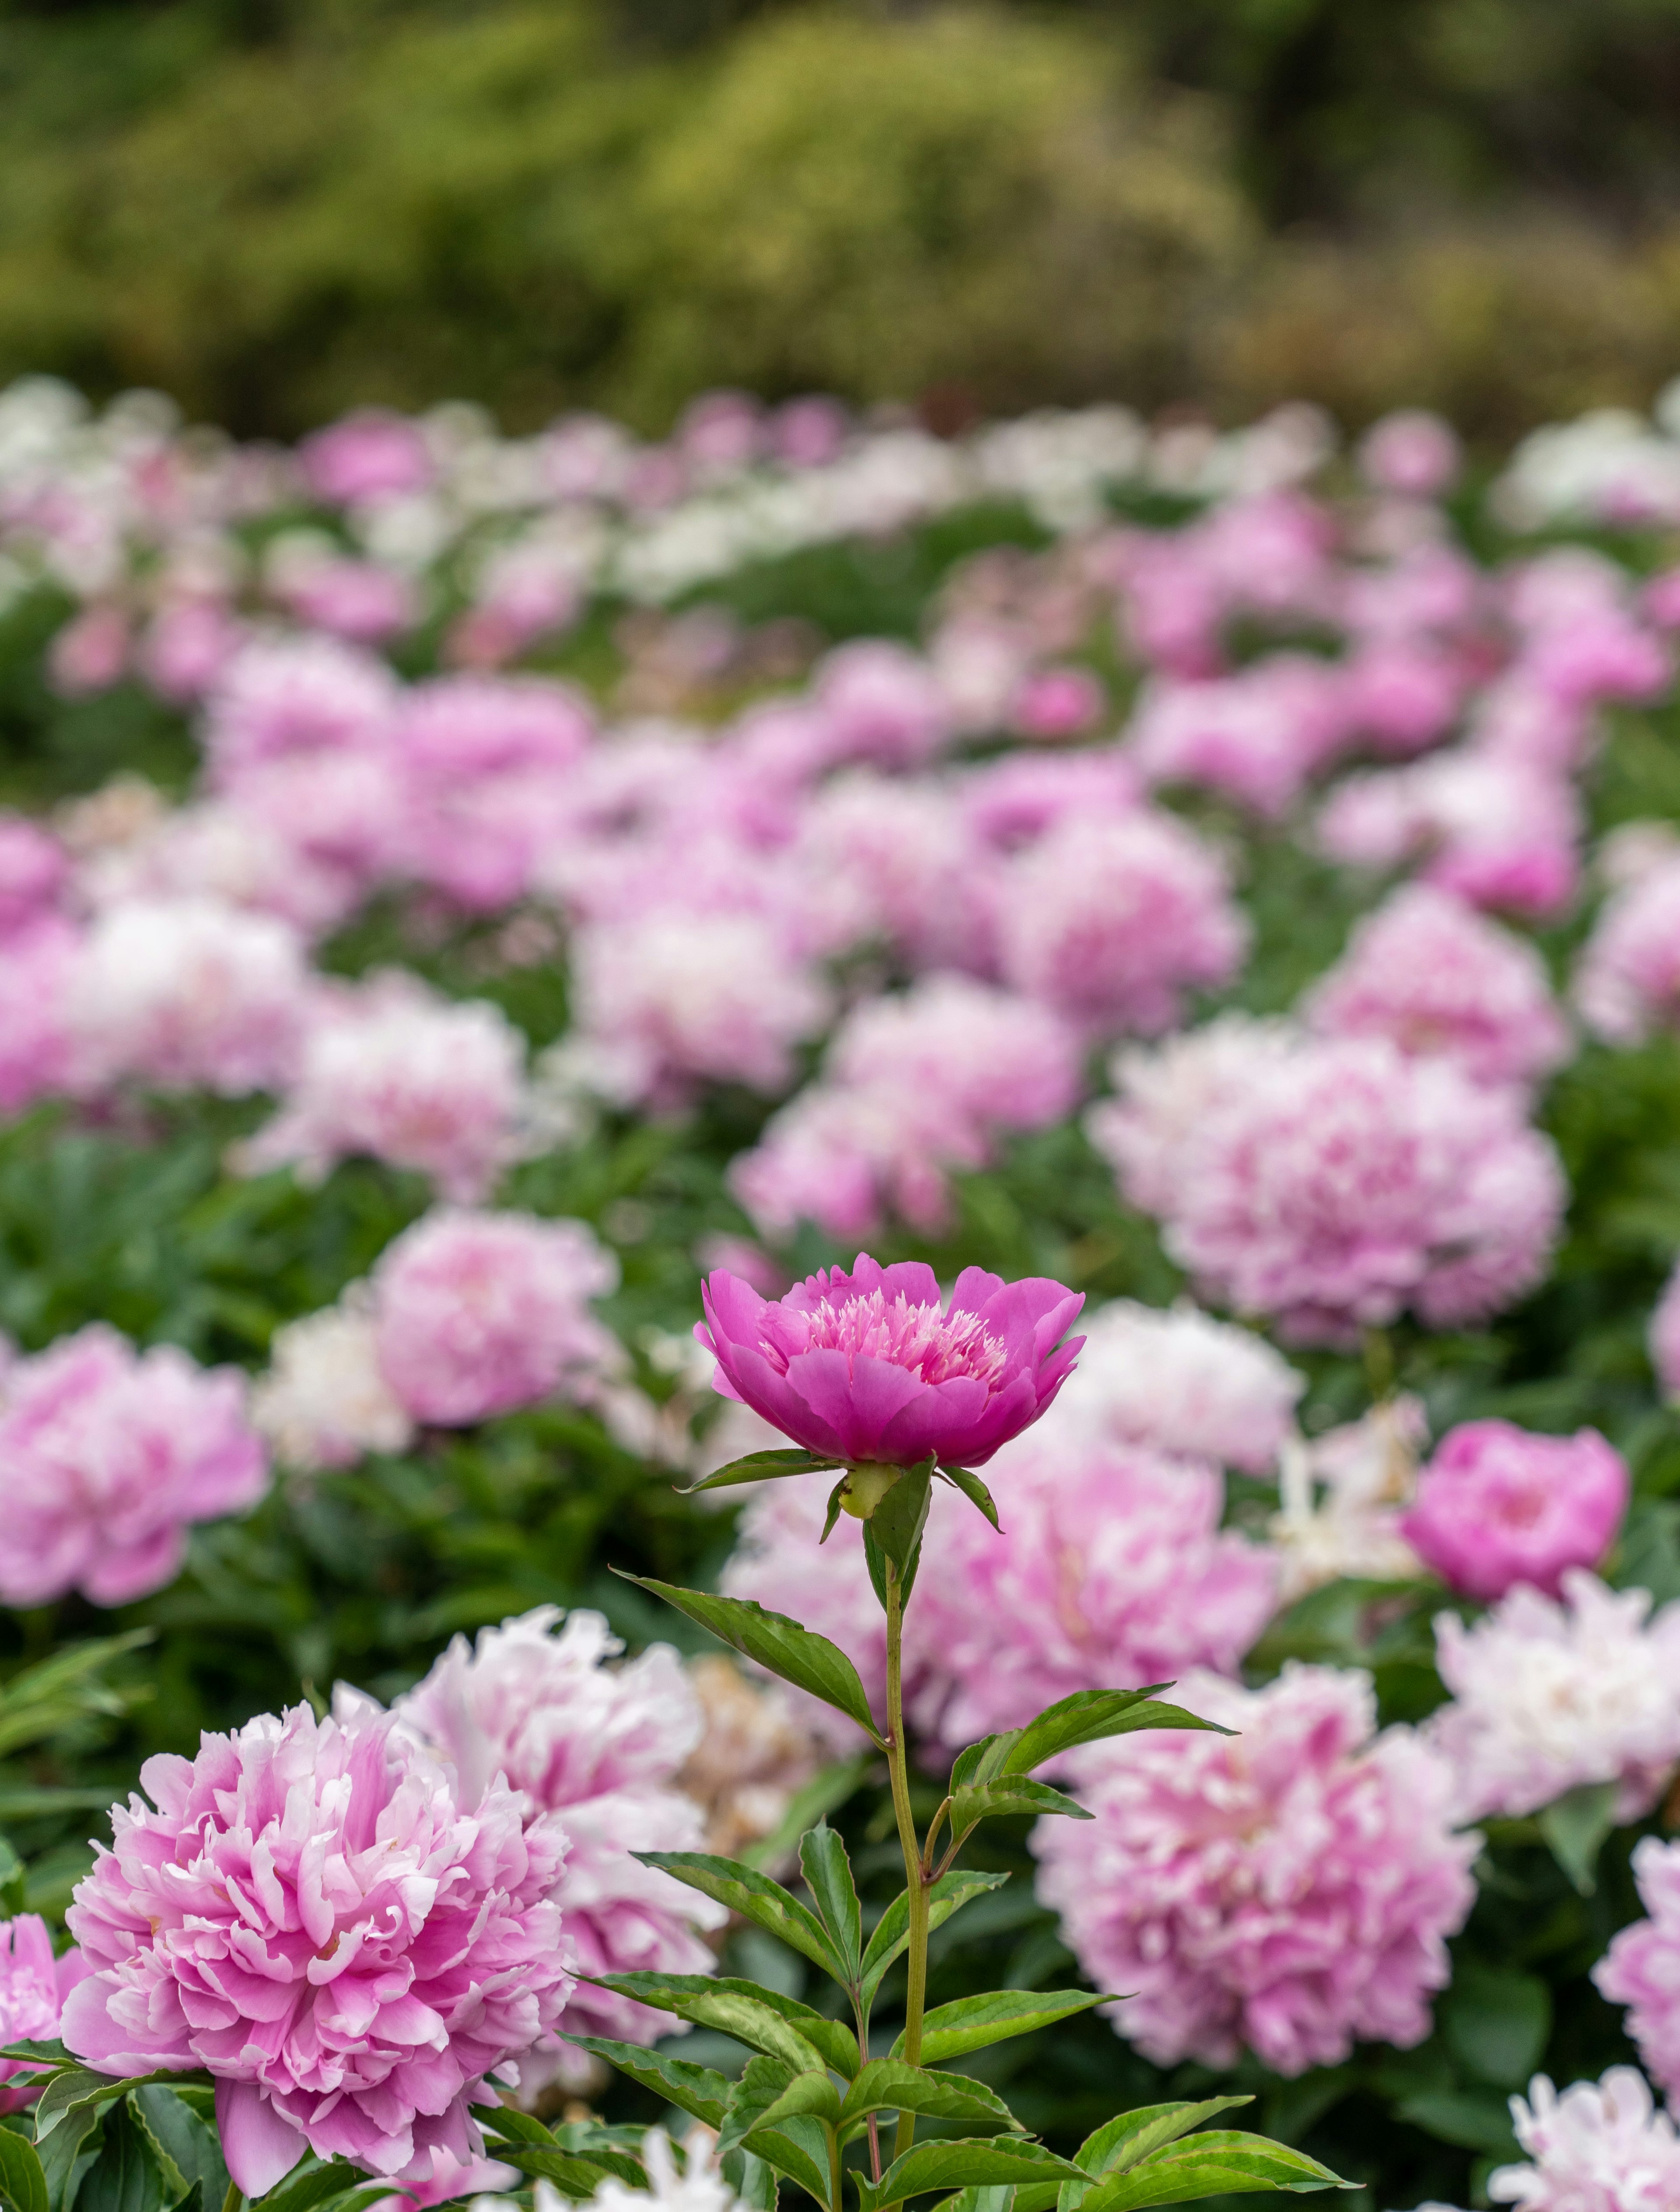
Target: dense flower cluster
{"type": "Point", "coordinates": [1290, 1888]}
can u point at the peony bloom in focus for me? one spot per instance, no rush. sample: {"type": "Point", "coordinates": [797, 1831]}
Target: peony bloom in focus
{"type": "Point", "coordinates": [600, 1746]}
{"type": "Point", "coordinates": [312, 1914]}
{"type": "Point", "coordinates": [1498, 1505]}
{"type": "Point", "coordinates": [1600, 2147]}
{"type": "Point", "coordinates": [1434, 976]}
{"type": "Point", "coordinates": [1113, 1571]}
{"type": "Point", "coordinates": [106, 1455]}
{"type": "Point", "coordinates": [477, 1313]}
{"type": "Point", "coordinates": [1333, 1183]}
{"type": "Point", "coordinates": [1289, 1889]}
{"type": "Point", "coordinates": [1547, 1696]}
{"type": "Point", "coordinates": [1641, 1969]}
{"type": "Point", "coordinates": [33, 1986]}
{"type": "Point", "coordinates": [870, 1365]}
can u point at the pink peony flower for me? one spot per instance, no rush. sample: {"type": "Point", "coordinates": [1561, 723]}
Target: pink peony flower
{"type": "Point", "coordinates": [37, 1056]}
{"type": "Point", "coordinates": [1664, 1337]}
{"type": "Point", "coordinates": [1430, 974]}
{"type": "Point", "coordinates": [477, 1313]}
{"type": "Point", "coordinates": [1289, 1889]}
{"type": "Point", "coordinates": [870, 1366]}
{"type": "Point", "coordinates": [1065, 702]}
{"type": "Point", "coordinates": [355, 600]}
{"type": "Point", "coordinates": [1497, 1506]}
{"type": "Point", "coordinates": [1111, 921]}
{"type": "Point", "coordinates": [601, 1746]}
{"type": "Point", "coordinates": [281, 698]}
{"type": "Point", "coordinates": [1499, 832]}
{"type": "Point", "coordinates": [33, 1986]}
{"type": "Point", "coordinates": [188, 993]}
{"type": "Point", "coordinates": [367, 457]}
{"type": "Point", "coordinates": [389, 1071]}
{"type": "Point", "coordinates": [880, 703]}
{"type": "Point", "coordinates": [35, 869]}
{"type": "Point", "coordinates": [90, 652]}
{"type": "Point", "coordinates": [1547, 1696]}
{"type": "Point", "coordinates": [1333, 1184]}
{"type": "Point", "coordinates": [1112, 1572]}
{"type": "Point", "coordinates": [312, 1914]}
{"type": "Point", "coordinates": [188, 648]}
{"type": "Point", "coordinates": [1412, 452]}
{"type": "Point", "coordinates": [1601, 2146]}
{"type": "Point", "coordinates": [1627, 977]}
{"type": "Point", "coordinates": [1260, 735]}
{"type": "Point", "coordinates": [106, 1454]}
{"type": "Point", "coordinates": [324, 1402]}
{"type": "Point", "coordinates": [1640, 1968]}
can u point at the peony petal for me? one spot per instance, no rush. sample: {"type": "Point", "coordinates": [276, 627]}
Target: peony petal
{"type": "Point", "coordinates": [260, 2146]}
{"type": "Point", "coordinates": [854, 1398]}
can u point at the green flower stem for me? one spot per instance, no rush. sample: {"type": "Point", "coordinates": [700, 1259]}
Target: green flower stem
{"type": "Point", "coordinates": [234, 2200]}
{"type": "Point", "coordinates": [915, 1879]}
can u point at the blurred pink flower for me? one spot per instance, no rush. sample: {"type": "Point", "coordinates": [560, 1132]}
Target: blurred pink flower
{"type": "Point", "coordinates": [1664, 1338]}
{"type": "Point", "coordinates": [355, 599]}
{"type": "Point", "coordinates": [1064, 702]}
{"type": "Point", "coordinates": [1288, 1889]}
{"type": "Point", "coordinates": [880, 703]}
{"type": "Point", "coordinates": [1641, 1968]}
{"type": "Point", "coordinates": [34, 870]}
{"type": "Point", "coordinates": [1260, 735]}
{"type": "Point", "coordinates": [366, 457]}
{"type": "Point", "coordinates": [38, 962]}
{"type": "Point", "coordinates": [1498, 1505]}
{"type": "Point", "coordinates": [1411, 452]}
{"type": "Point", "coordinates": [1433, 975]}
{"type": "Point", "coordinates": [479, 1314]}
{"type": "Point", "coordinates": [312, 1914]}
{"type": "Point", "coordinates": [1627, 977]}
{"type": "Point", "coordinates": [90, 652]}
{"type": "Point", "coordinates": [278, 698]}
{"type": "Point", "coordinates": [600, 1745]}
{"type": "Point", "coordinates": [107, 1457]}
{"type": "Point", "coordinates": [33, 1986]}
{"type": "Point", "coordinates": [1600, 2147]}
{"type": "Point", "coordinates": [189, 645]}
{"type": "Point", "coordinates": [871, 1365]}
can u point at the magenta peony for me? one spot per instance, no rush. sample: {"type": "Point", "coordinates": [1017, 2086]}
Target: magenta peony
{"type": "Point", "coordinates": [601, 1746]}
{"type": "Point", "coordinates": [1641, 1969]}
{"type": "Point", "coordinates": [1497, 1505]}
{"type": "Point", "coordinates": [1600, 2147]}
{"type": "Point", "coordinates": [477, 1314]}
{"type": "Point", "coordinates": [33, 1986]}
{"type": "Point", "coordinates": [312, 1914]}
{"type": "Point", "coordinates": [870, 1365]}
{"type": "Point", "coordinates": [1289, 1889]}
{"type": "Point", "coordinates": [1112, 1572]}
{"type": "Point", "coordinates": [106, 1455]}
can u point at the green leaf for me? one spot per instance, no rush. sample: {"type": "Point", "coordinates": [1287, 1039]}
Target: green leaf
{"type": "Point", "coordinates": [960, 2165]}
{"type": "Point", "coordinates": [50, 2053]}
{"type": "Point", "coordinates": [573, 2175]}
{"type": "Point", "coordinates": [181, 2137]}
{"type": "Point", "coordinates": [1575, 1825]}
{"type": "Point", "coordinates": [752, 2179]}
{"type": "Point", "coordinates": [66, 2154]}
{"type": "Point", "coordinates": [695, 2089]}
{"type": "Point", "coordinates": [763, 2082]}
{"type": "Point", "coordinates": [828, 1873]}
{"type": "Point", "coordinates": [757, 1899]}
{"type": "Point", "coordinates": [891, 1931]}
{"type": "Point", "coordinates": [1219, 2162]}
{"type": "Point", "coordinates": [1088, 1716]}
{"type": "Point", "coordinates": [77, 2089]}
{"type": "Point", "coordinates": [23, 2183]}
{"type": "Point", "coordinates": [1008, 1798]}
{"type": "Point", "coordinates": [808, 2095]}
{"type": "Point", "coordinates": [1007, 2197]}
{"type": "Point", "coordinates": [897, 1522]}
{"type": "Point", "coordinates": [809, 1662]}
{"type": "Point", "coordinates": [765, 2020]}
{"type": "Point", "coordinates": [1496, 2022]}
{"type": "Point", "coordinates": [971, 2023]}
{"type": "Point", "coordinates": [13, 1877]}
{"type": "Point", "coordinates": [1472, 2120]}
{"type": "Point", "coordinates": [128, 2175]}
{"type": "Point", "coordinates": [799, 2149]}
{"type": "Point", "coordinates": [1120, 2144]}
{"type": "Point", "coordinates": [893, 2084]}
{"type": "Point", "coordinates": [963, 1478]}
{"type": "Point", "coordinates": [761, 1466]}
{"type": "Point", "coordinates": [317, 2183]}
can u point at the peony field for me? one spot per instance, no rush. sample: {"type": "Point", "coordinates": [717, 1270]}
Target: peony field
{"type": "Point", "coordinates": [1087, 1013]}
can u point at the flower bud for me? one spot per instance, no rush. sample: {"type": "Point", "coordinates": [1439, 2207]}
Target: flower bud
{"type": "Point", "coordinates": [866, 1484]}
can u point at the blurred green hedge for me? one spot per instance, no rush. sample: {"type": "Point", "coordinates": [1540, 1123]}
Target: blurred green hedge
{"type": "Point", "coordinates": [274, 209]}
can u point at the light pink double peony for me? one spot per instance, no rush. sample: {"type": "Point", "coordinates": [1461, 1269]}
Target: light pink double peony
{"type": "Point", "coordinates": [33, 1986]}
{"type": "Point", "coordinates": [106, 1455]}
{"type": "Point", "coordinates": [311, 1913]}
{"type": "Point", "coordinates": [1497, 1506]}
{"type": "Point", "coordinates": [1641, 1969]}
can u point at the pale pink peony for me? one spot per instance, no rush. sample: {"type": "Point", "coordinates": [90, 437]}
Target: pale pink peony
{"type": "Point", "coordinates": [1497, 1505]}
{"type": "Point", "coordinates": [1111, 923]}
{"type": "Point", "coordinates": [1176, 1382]}
{"type": "Point", "coordinates": [477, 1313]}
{"type": "Point", "coordinates": [1165, 1093]}
{"type": "Point", "coordinates": [106, 1455]}
{"type": "Point", "coordinates": [282, 698]}
{"type": "Point", "coordinates": [898, 863]}
{"type": "Point", "coordinates": [1641, 1969]}
{"type": "Point", "coordinates": [1600, 2147]}
{"type": "Point", "coordinates": [1498, 831]}
{"type": "Point", "coordinates": [34, 869]}
{"type": "Point", "coordinates": [601, 1746]}
{"type": "Point", "coordinates": [324, 1401]}
{"type": "Point", "coordinates": [359, 600]}
{"type": "Point", "coordinates": [37, 1054]}
{"type": "Point", "coordinates": [390, 1071]}
{"type": "Point", "coordinates": [33, 1986]}
{"type": "Point", "coordinates": [1260, 735]}
{"type": "Point", "coordinates": [1412, 452]}
{"type": "Point", "coordinates": [1111, 1572]}
{"type": "Point", "coordinates": [188, 993]}
{"type": "Point", "coordinates": [1434, 976]}
{"type": "Point", "coordinates": [1289, 1889]}
{"type": "Point", "coordinates": [1335, 1183]}
{"type": "Point", "coordinates": [1547, 1696]}
{"type": "Point", "coordinates": [365, 457]}
{"type": "Point", "coordinates": [312, 1914]}
{"type": "Point", "coordinates": [1627, 977]}
{"type": "Point", "coordinates": [880, 703]}
{"type": "Point", "coordinates": [1664, 1338]}
{"type": "Point", "coordinates": [188, 647]}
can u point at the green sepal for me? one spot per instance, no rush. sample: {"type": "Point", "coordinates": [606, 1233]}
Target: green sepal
{"type": "Point", "coordinates": [965, 1478]}
{"type": "Point", "coordinates": [755, 1897]}
{"type": "Point", "coordinates": [891, 1931]}
{"type": "Point", "coordinates": [760, 1466]}
{"type": "Point", "coordinates": [835, 1498]}
{"type": "Point", "coordinates": [765, 2021]}
{"type": "Point", "coordinates": [798, 1655]}
{"type": "Point", "coordinates": [972, 2023]}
